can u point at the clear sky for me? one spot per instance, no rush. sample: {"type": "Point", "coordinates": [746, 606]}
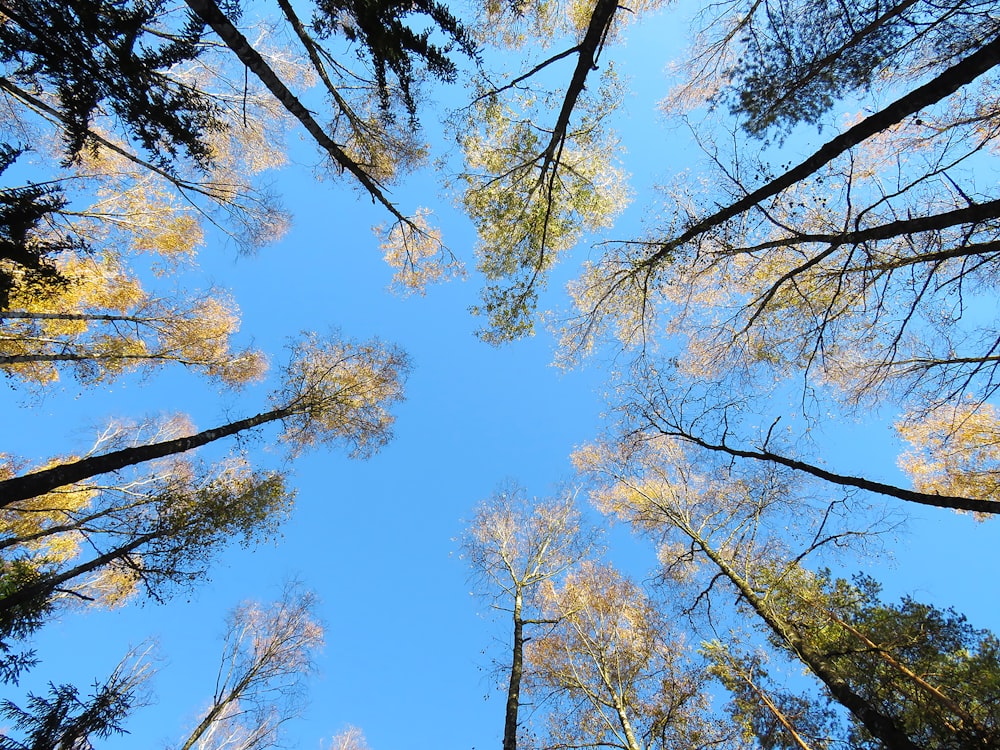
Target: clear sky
{"type": "Point", "coordinates": [409, 652]}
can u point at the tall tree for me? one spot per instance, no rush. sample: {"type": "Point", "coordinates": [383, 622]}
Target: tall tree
{"type": "Point", "coordinates": [333, 392]}
{"type": "Point", "coordinates": [515, 544]}
{"type": "Point", "coordinates": [267, 656]}
{"type": "Point", "coordinates": [613, 670]}
{"type": "Point", "coordinates": [533, 188]}
{"type": "Point", "coordinates": [107, 326]}
{"type": "Point", "coordinates": [777, 718]}
{"type": "Point", "coordinates": [903, 679]}
{"type": "Point", "coordinates": [855, 274]}
{"type": "Point", "coordinates": [158, 533]}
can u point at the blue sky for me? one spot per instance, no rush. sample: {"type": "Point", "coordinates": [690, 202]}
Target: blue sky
{"type": "Point", "coordinates": [409, 652]}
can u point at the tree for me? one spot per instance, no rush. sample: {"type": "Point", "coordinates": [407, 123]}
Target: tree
{"type": "Point", "coordinates": [514, 545]}
{"type": "Point", "coordinates": [533, 189]}
{"type": "Point", "coordinates": [406, 237]}
{"type": "Point", "coordinates": [163, 529]}
{"type": "Point", "coordinates": [781, 63]}
{"type": "Point", "coordinates": [855, 275]}
{"type": "Point", "coordinates": [332, 392]}
{"type": "Point", "coordinates": [350, 738]}
{"type": "Point", "coordinates": [87, 543]}
{"type": "Point", "coordinates": [613, 669]}
{"type": "Point", "coordinates": [65, 720]}
{"type": "Point", "coordinates": [25, 253]}
{"type": "Point", "coordinates": [267, 656]}
{"type": "Point", "coordinates": [909, 676]}
{"type": "Point", "coordinates": [948, 469]}
{"type": "Point", "coordinates": [106, 326]}
{"type": "Point", "coordinates": [88, 53]}
{"type": "Point", "coordinates": [777, 718]}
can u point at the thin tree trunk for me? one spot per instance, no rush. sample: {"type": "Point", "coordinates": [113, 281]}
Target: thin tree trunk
{"type": "Point", "coordinates": [939, 501]}
{"type": "Point", "coordinates": [26, 315]}
{"type": "Point", "coordinates": [47, 585]}
{"type": "Point", "coordinates": [21, 359]}
{"type": "Point", "coordinates": [630, 739]}
{"type": "Point", "coordinates": [974, 214]}
{"type": "Point", "coordinates": [942, 699]}
{"type": "Point", "coordinates": [516, 673]}
{"type": "Point", "coordinates": [880, 725]}
{"type": "Point", "coordinates": [210, 13]}
{"type": "Point", "coordinates": [768, 703]}
{"type": "Point", "coordinates": [46, 480]}
{"type": "Point", "coordinates": [945, 84]}
{"type": "Point", "coordinates": [216, 710]}
{"type": "Point", "coordinates": [588, 50]}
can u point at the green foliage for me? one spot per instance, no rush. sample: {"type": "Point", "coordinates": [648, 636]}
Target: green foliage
{"type": "Point", "coordinates": [532, 196]}
{"type": "Point", "coordinates": [929, 669]}
{"type": "Point", "coordinates": [159, 534]}
{"type": "Point", "coordinates": [17, 623]}
{"type": "Point", "coordinates": [778, 719]}
{"type": "Point", "coordinates": [63, 720]}
{"type": "Point", "coordinates": [393, 46]}
{"type": "Point", "coordinates": [93, 55]}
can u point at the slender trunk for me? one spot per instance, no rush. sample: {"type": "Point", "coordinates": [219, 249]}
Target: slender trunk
{"type": "Point", "coordinates": [46, 586]}
{"type": "Point", "coordinates": [587, 51]}
{"type": "Point", "coordinates": [630, 739]}
{"type": "Point", "coordinates": [938, 501]}
{"type": "Point", "coordinates": [46, 480]}
{"type": "Point", "coordinates": [776, 712]}
{"type": "Point", "coordinates": [27, 315]}
{"type": "Point", "coordinates": [62, 528]}
{"type": "Point", "coordinates": [516, 673]}
{"type": "Point", "coordinates": [21, 359]}
{"type": "Point", "coordinates": [946, 83]}
{"type": "Point", "coordinates": [210, 13]}
{"type": "Point", "coordinates": [53, 115]}
{"type": "Point", "coordinates": [942, 699]}
{"type": "Point", "coordinates": [877, 723]}
{"type": "Point", "coordinates": [974, 214]}
{"type": "Point", "coordinates": [217, 710]}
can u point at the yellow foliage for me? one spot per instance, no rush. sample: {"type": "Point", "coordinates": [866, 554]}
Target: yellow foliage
{"type": "Point", "coordinates": [954, 450]}
{"type": "Point", "coordinates": [115, 584]}
{"type": "Point", "coordinates": [415, 250]}
{"type": "Point", "coordinates": [30, 522]}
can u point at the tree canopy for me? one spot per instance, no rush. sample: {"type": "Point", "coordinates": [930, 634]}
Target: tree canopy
{"type": "Point", "coordinates": [821, 247]}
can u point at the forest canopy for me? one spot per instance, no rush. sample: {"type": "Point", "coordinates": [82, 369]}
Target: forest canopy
{"type": "Point", "coordinates": [812, 278]}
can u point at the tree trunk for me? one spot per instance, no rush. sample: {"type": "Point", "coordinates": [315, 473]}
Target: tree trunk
{"type": "Point", "coordinates": [881, 726]}
{"type": "Point", "coordinates": [516, 672]}
{"type": "Point", "coordinates": [210, 13]}
{"type": "Point", "coordinates": [945, 84]}
{"type": "Point", "coordinates": [938, 501]}
{"type": "Point", "coordinates": [48, 585]}
{"type": "Point", "coordinates": [46, 480]}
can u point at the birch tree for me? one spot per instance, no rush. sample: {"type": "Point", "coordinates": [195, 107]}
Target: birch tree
{"type": "Point", "coordinates": [893, 681]}
{"type": "Point", "coordinates": [533, 188]}
{"type": "Point", "coordinates": [267, 656]}
{"type": "Point", "coordinates": [333, 392]}
{"type": "Point", "coordinates": [107, 326]}
{"type": "Point", "coordinates": [515, 544]}
{"type": "Point", "coordinates": [859, 274]}
{"type": "Point", "coordinates": [614, 671]}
